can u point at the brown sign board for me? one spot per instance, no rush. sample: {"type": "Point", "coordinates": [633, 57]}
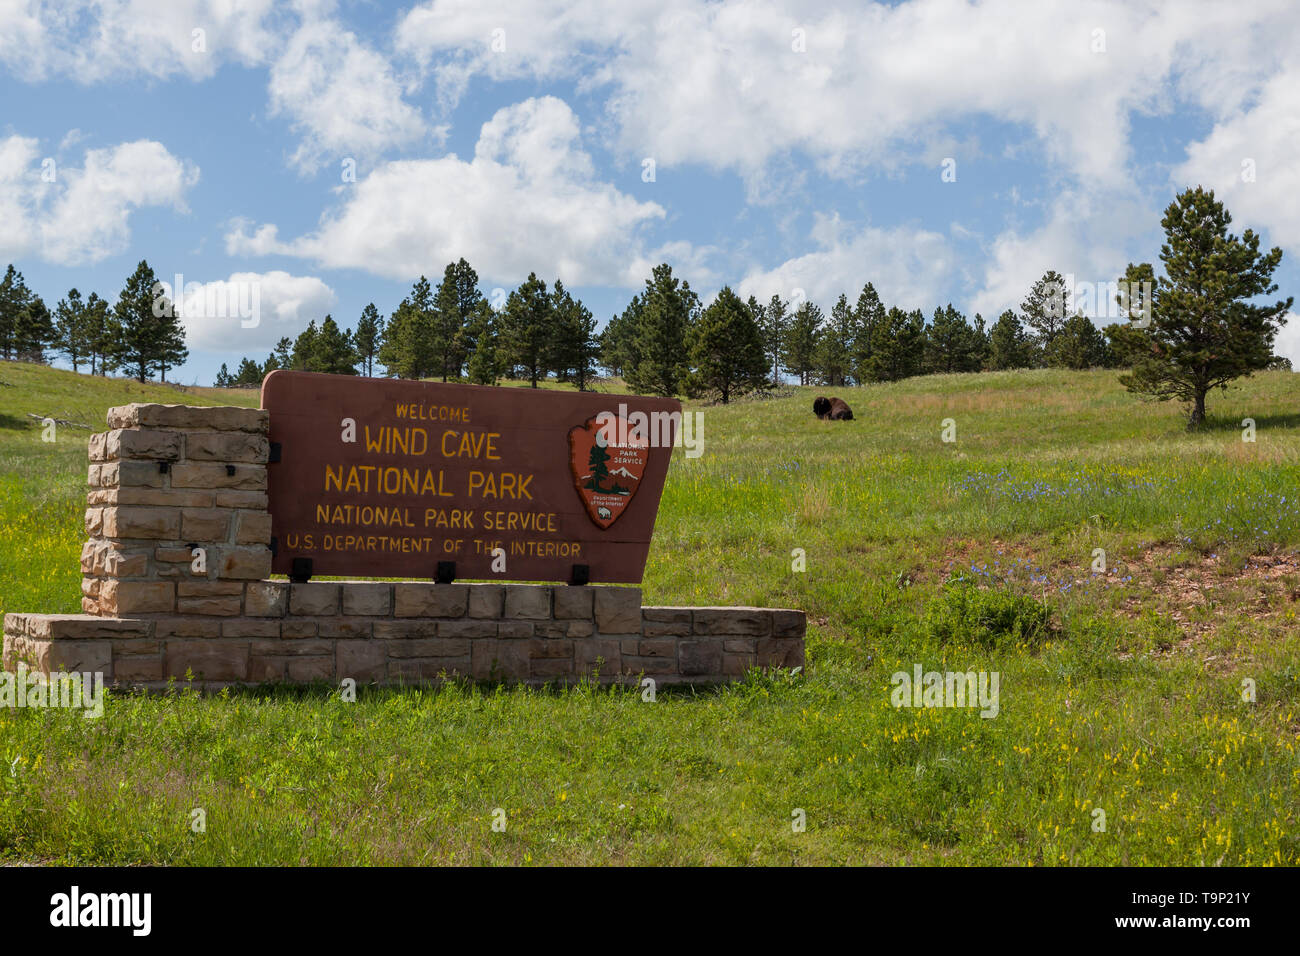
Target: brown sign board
{"type": "Point", "coordinates": [389, 478]}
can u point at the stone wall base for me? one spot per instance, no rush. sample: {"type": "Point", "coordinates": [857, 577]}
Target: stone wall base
{"type": "Point", "coordinates": [413, 633]}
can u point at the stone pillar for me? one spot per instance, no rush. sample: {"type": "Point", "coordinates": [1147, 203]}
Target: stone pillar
{"type": "Point", "coordinates": [176, 511]}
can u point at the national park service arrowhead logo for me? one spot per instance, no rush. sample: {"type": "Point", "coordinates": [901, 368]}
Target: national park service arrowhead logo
{"type": "Point", "coordinates": [607, 465]}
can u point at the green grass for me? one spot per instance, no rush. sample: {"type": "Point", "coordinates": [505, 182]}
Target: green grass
{"type": "Point", "coordinates": [1120, 691]}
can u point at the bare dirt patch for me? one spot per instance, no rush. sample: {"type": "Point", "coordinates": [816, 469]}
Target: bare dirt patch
{"type": "Point", "coordinates": [1197, 592]}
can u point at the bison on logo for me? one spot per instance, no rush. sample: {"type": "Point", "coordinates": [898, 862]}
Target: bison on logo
{"type": "Point", "coordinates": [607, 466]}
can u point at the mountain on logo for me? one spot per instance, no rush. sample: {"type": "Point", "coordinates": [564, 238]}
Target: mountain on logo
{"type": "Point", "coordinates": [623, 473]}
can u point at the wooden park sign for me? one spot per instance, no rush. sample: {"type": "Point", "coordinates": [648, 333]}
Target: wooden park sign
{"type": "Point", "coordinates": [391, 478]}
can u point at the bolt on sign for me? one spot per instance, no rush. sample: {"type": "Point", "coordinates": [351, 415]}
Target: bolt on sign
{"type": "Point", "coordinates": [390, 478]}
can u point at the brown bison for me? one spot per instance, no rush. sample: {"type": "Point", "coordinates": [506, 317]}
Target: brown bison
{"type": "Point", "coordinates": [832, 409]}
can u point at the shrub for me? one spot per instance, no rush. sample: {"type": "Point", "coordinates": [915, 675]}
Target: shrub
{"type": "Point", "coordinates": [992, 618]}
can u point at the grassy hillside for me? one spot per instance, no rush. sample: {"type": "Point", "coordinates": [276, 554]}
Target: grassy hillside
{"type": "Point", "coordinates": [1120, 690]}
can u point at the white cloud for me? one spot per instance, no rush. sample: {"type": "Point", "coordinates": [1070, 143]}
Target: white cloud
{"type": "Point", "coordinates": [83, 214]}
{"type": "Point", "coordinates": [722, 85]}
{"type": "Point", "coordinates": [1266, 136]}
{"type": "Point", "coordinates": [1287, 343]}
{"type": "Point", "coordinates": [251, 311]}
{"type": "Point", "coordinates": [526, 201]}
{"type": "Point", "coordinates": [341, 96]}
{"type": "Point", "coordinates": [96, 40]}
{"type": "Point", "coordinates": [909, 267]}
{"type": "Point", "coordinates": [1089, 235]}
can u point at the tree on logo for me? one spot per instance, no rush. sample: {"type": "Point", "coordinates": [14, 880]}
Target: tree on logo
{"type": "Point", "coordinates": [600, 473]}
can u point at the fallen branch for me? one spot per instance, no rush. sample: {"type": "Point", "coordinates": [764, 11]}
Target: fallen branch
{"type": "Point", "coordinates": [58, 421]}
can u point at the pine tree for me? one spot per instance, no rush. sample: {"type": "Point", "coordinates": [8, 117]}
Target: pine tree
{"type": "Point", "coordinates": [728, 350]}
{"type": "Point", "coordinates": [14, 298]}
{"type": "Point", "coordinates": [952, 344]}
{"type": "Point", "coordinates": [979, 347]}
{"type": "Point", "coordinates": [303, 357]}
{"type": "Point", "coordinates": [527, 327]}
{"type": "Point", "coordinates": [899, 346]}
{"type": "Point", "coordinates": [868, 319]}
{"type": "Point", "coordinates": [618, 340]}
{"type": "Point", "coordinates": [102, 335]}
{"type": "Point", "coordinates": [1009, 346]}
{"type": "Point", "coordinates": [171, 350]}
{"type": "Point", "coordinates": [370, 329]}
{"type": "Point", "coordinates": [1044, 312]}
{"type": "Point", "coordinates": [835, 355]}
{"type": "Point", "coordinates": [668, 312]}
{"type": "Point", "coordinates": [775, 327]}
{"type": "Point", "coordinates": [332, 350]}
{"type": "Point", "coordinates": [1204, 331]}
{"type": "Point", "coordinates": [1136, 287]}
{"type": "Point", "coordinates": [223, 379]}
{"type": "Point", "coordinates": [485, 364]}
{"type": "Point", "coordinates": [149, 333]}
{"type": "Point", "coordinates": [1079, 345]}
{"type": "Point", "coordinates": [800, 356]}
{"type": "Point", "coordinates": [574, 346]}
{"type": "Point", "coordinates": [249, 374]}
{"type": "Point", "coordinates": [26, 327]}
{"type": "Point", "coordinates": [407, 347]}
{"type": "Point", "coordinates": [454, 304]}
{"type": "Point", "coordinates": [70, 329]}
{"type": "Point", "coordinates": [283, 353]}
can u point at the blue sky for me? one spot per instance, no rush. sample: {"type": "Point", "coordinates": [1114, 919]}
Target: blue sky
{"type": "Point", "coordinates": [798, 148]}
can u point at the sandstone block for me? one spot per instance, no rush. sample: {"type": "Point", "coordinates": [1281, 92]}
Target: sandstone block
{"type": "Point", "coordinates": [429, 647]}
{"type": "Point", "coordinates": [169, 627]}
{"type": "Point", "coordinates": [430, 600]}
{"type": "Point", "coordinates": [132, 521]}
{"type": "Point", "coordinates": [780, 652]}
{"type": "Point", "coordinates": [786, 623]}
{"type": "Point", "coordinates": [650, 666]}
{"type": "Point", "coordinates": [132, 474]}
{"type": "Point", "coordinates": [252, 500]}
{"type": "Point", "coordinates": [253, 527]}
{"type": "Point", "coordinates": [528, 601]}
{"type": "Point", "coordinates": [203, 475]}
{"type": "Point", "coordinates": [205, 525]}
{"type": "Point", "coordinates": [696, 658]}
{"type": "Point", "coordinates": [595, 657]}
{"type": "Point", "coordinates": [574, 602]}
{"type": "Point", "coordinates": [266, 598]}
{"type": "Point", "coordinates": [218, 606]}
{"type": "Point", "coordinates": [353, 628]}
{"type": "Point", "coordinates": [216, 418]}
{"type": "Point", "coordinates": [375, 600]}
{"type": "Point", "coordinates": [311, 668]}
{"type": "Point", "coordinates": [245, 563]}
{"type": "Point", "coordinates": [226, 447]}
{"type": "Point", "coordinates": [363, 661]}
{"type": "Point", "coordinates": [541, 647]}
{"type": "Point", "coordinates": [467, 628]}
{"type": "Point", "coordinates": [244, 627]}
{"type": "Point", "coordinates": [404, 630]}
{"type": "Point", "coordinates": [733, 621]}
{"type": "Point", "coordinates": [657, 647]}
{"type": "Point", "coordinates": [485, 600]}
{"type": "Point", "coordinates": [618, 610]}
{"type": "Point", "coordinates": [120, 444]}
{"type": "Point", "coordinates": [118, 598]}
{"type": "Point", "coordinates": [550, 669]}
{"type": "Point", "coordinates": [208, 660]}
{"type": "Point", "coordinates": [496, 660]}
{"type": "Point", "coordinates": [318, 598]}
